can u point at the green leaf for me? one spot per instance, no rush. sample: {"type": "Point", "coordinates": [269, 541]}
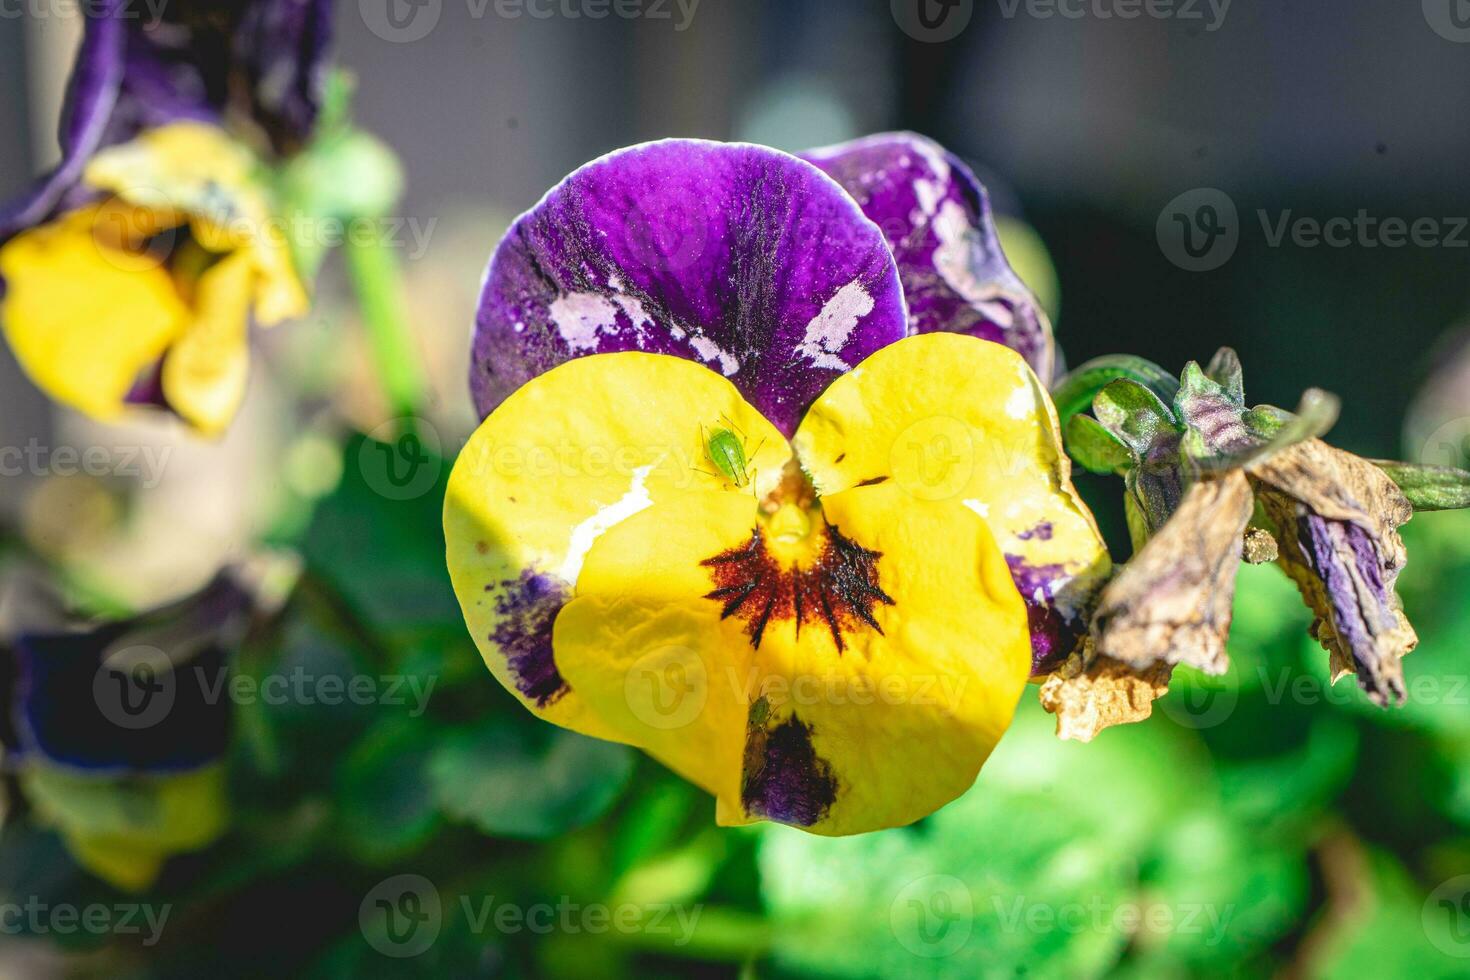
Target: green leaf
{"type": "Point", "coordinates": [1095, 448]}
{"type": "Point", "coordinates": [1022, 874]}
{"type": "Point", "coordinates": [526, 779]}
{"type": "Point", "coordinates": [1429, 487]}
{"type": "Point", "coordinates": [383, 791]}
{"type": "Point", "coordinates": [1076, 391]}
{"type": "Point", "coordinates": [1225, 371]}
{"type": "Point", "coordinates": [1227, 894]}
{"type": "Point", "coordinates": [1137, 416]}
{"type": "Point", "coordinates": [378, 539]}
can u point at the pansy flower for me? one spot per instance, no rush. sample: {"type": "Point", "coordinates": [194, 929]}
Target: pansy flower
{"type": "Point", "coordinates": [724, 508]}
{"type": "Point", "coordinates": [159, 207]}
{"type": "Point", "coordinates": [116, 731]}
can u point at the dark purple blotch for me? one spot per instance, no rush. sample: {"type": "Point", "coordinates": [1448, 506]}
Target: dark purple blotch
{"type": "Point", "coordinates": [783, 778]}
{"type": "Point", "coordinates": [527, 607]}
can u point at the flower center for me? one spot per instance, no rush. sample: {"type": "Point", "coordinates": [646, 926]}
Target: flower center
{"type": "Point", "coordinates": [797, 566]}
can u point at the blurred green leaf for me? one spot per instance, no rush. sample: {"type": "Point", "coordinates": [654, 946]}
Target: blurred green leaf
{"type": "Point", "coordinates": [526, 778]}
{"type": "Point", "coordinates": [378, 539]}
{"type": "Point", "coordinates": [383, 791]}
{"type": "Point", "coordinates": [1034, 870]}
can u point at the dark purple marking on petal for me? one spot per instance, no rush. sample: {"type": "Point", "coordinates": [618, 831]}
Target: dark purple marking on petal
{"type": "Point", "coordinates": [527, 608]}
{"type": "Point", "coordinates": [1053, 636]}
{"type": "Point", "coordinates": [783, 777]}
{"type": "Point", "coordinates": [739, 257]}
{"type": "Point", "coordinates": [936, 218]}
{"type": "Point", "coordinates": [1041, 532]}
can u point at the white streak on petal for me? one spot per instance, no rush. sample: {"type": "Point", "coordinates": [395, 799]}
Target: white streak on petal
{"type": "Point", "coordinates": [579, 317]}
{"type": "Point", "coordinates": [829, 330]}
{"type": "Point", "coordinates": [708, 350]}
{"type": "Point", "coordinates": [982, 509]}
{"type": "Point", "coordinates": [583, 535]}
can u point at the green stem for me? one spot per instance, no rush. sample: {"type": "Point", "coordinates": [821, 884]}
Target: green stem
{"type": "Point", "coordinates": [1075, 392]}
{"type": "Point", "coordinates": [378, 280]}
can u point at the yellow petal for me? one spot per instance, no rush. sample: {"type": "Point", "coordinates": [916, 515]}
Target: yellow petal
{"type": "Point", "coordinates": [951, 419]}
{"type": "Point", "coordinates": [198, 170]}
{"type": "Point", "coordinates": [205, 372]}
{"type": "Point", "coordinates": [782, 723]}
{"type": "Point", "coordinates": [561, 462]}
{"type": "Point", "coordinates": [83, 316]}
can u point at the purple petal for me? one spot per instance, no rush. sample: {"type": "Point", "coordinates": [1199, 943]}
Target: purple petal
{"type": "Point", "coordinates": [91, 96]}
{"type": "Point", "coordinates": [739, 257]}
{"type": "Point", "coordinates": [193, 63]}
{"type": "Point", "coordinates": [70, 700]}
{"type": "Point", "coordinates": [936, 217]}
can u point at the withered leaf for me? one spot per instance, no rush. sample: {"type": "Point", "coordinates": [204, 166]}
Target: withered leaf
{"type": "Point", "coordinates": [1089, 693]}
{"type": "Point", "coordinates": [1171, 604]}
{"type": "Point", "coordinates": [1337, 518]}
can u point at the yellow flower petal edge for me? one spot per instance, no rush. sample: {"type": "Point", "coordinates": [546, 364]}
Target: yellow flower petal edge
{"type": "Point", "coordinates": [565, 458]}
{"type": "Point", "coordinates": [83, 317]}
{"type": "Point", "coordinates": [205, 373]}
{"type": "Point", "coordinates": [959, 420]}
{"type": "Point", "coordinates": [841, 660]}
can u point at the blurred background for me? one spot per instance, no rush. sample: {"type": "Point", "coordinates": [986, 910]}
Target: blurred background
{"type": "Point", "coordinates": [1263, 824]}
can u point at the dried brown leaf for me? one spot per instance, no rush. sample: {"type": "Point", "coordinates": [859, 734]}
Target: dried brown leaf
{"type": "Point", "coordinates": [1171, 604]}
{"type": "Point", "coordinates": [1337, 518]}
{"type": "Point", "coordinates": [1101, 694]}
